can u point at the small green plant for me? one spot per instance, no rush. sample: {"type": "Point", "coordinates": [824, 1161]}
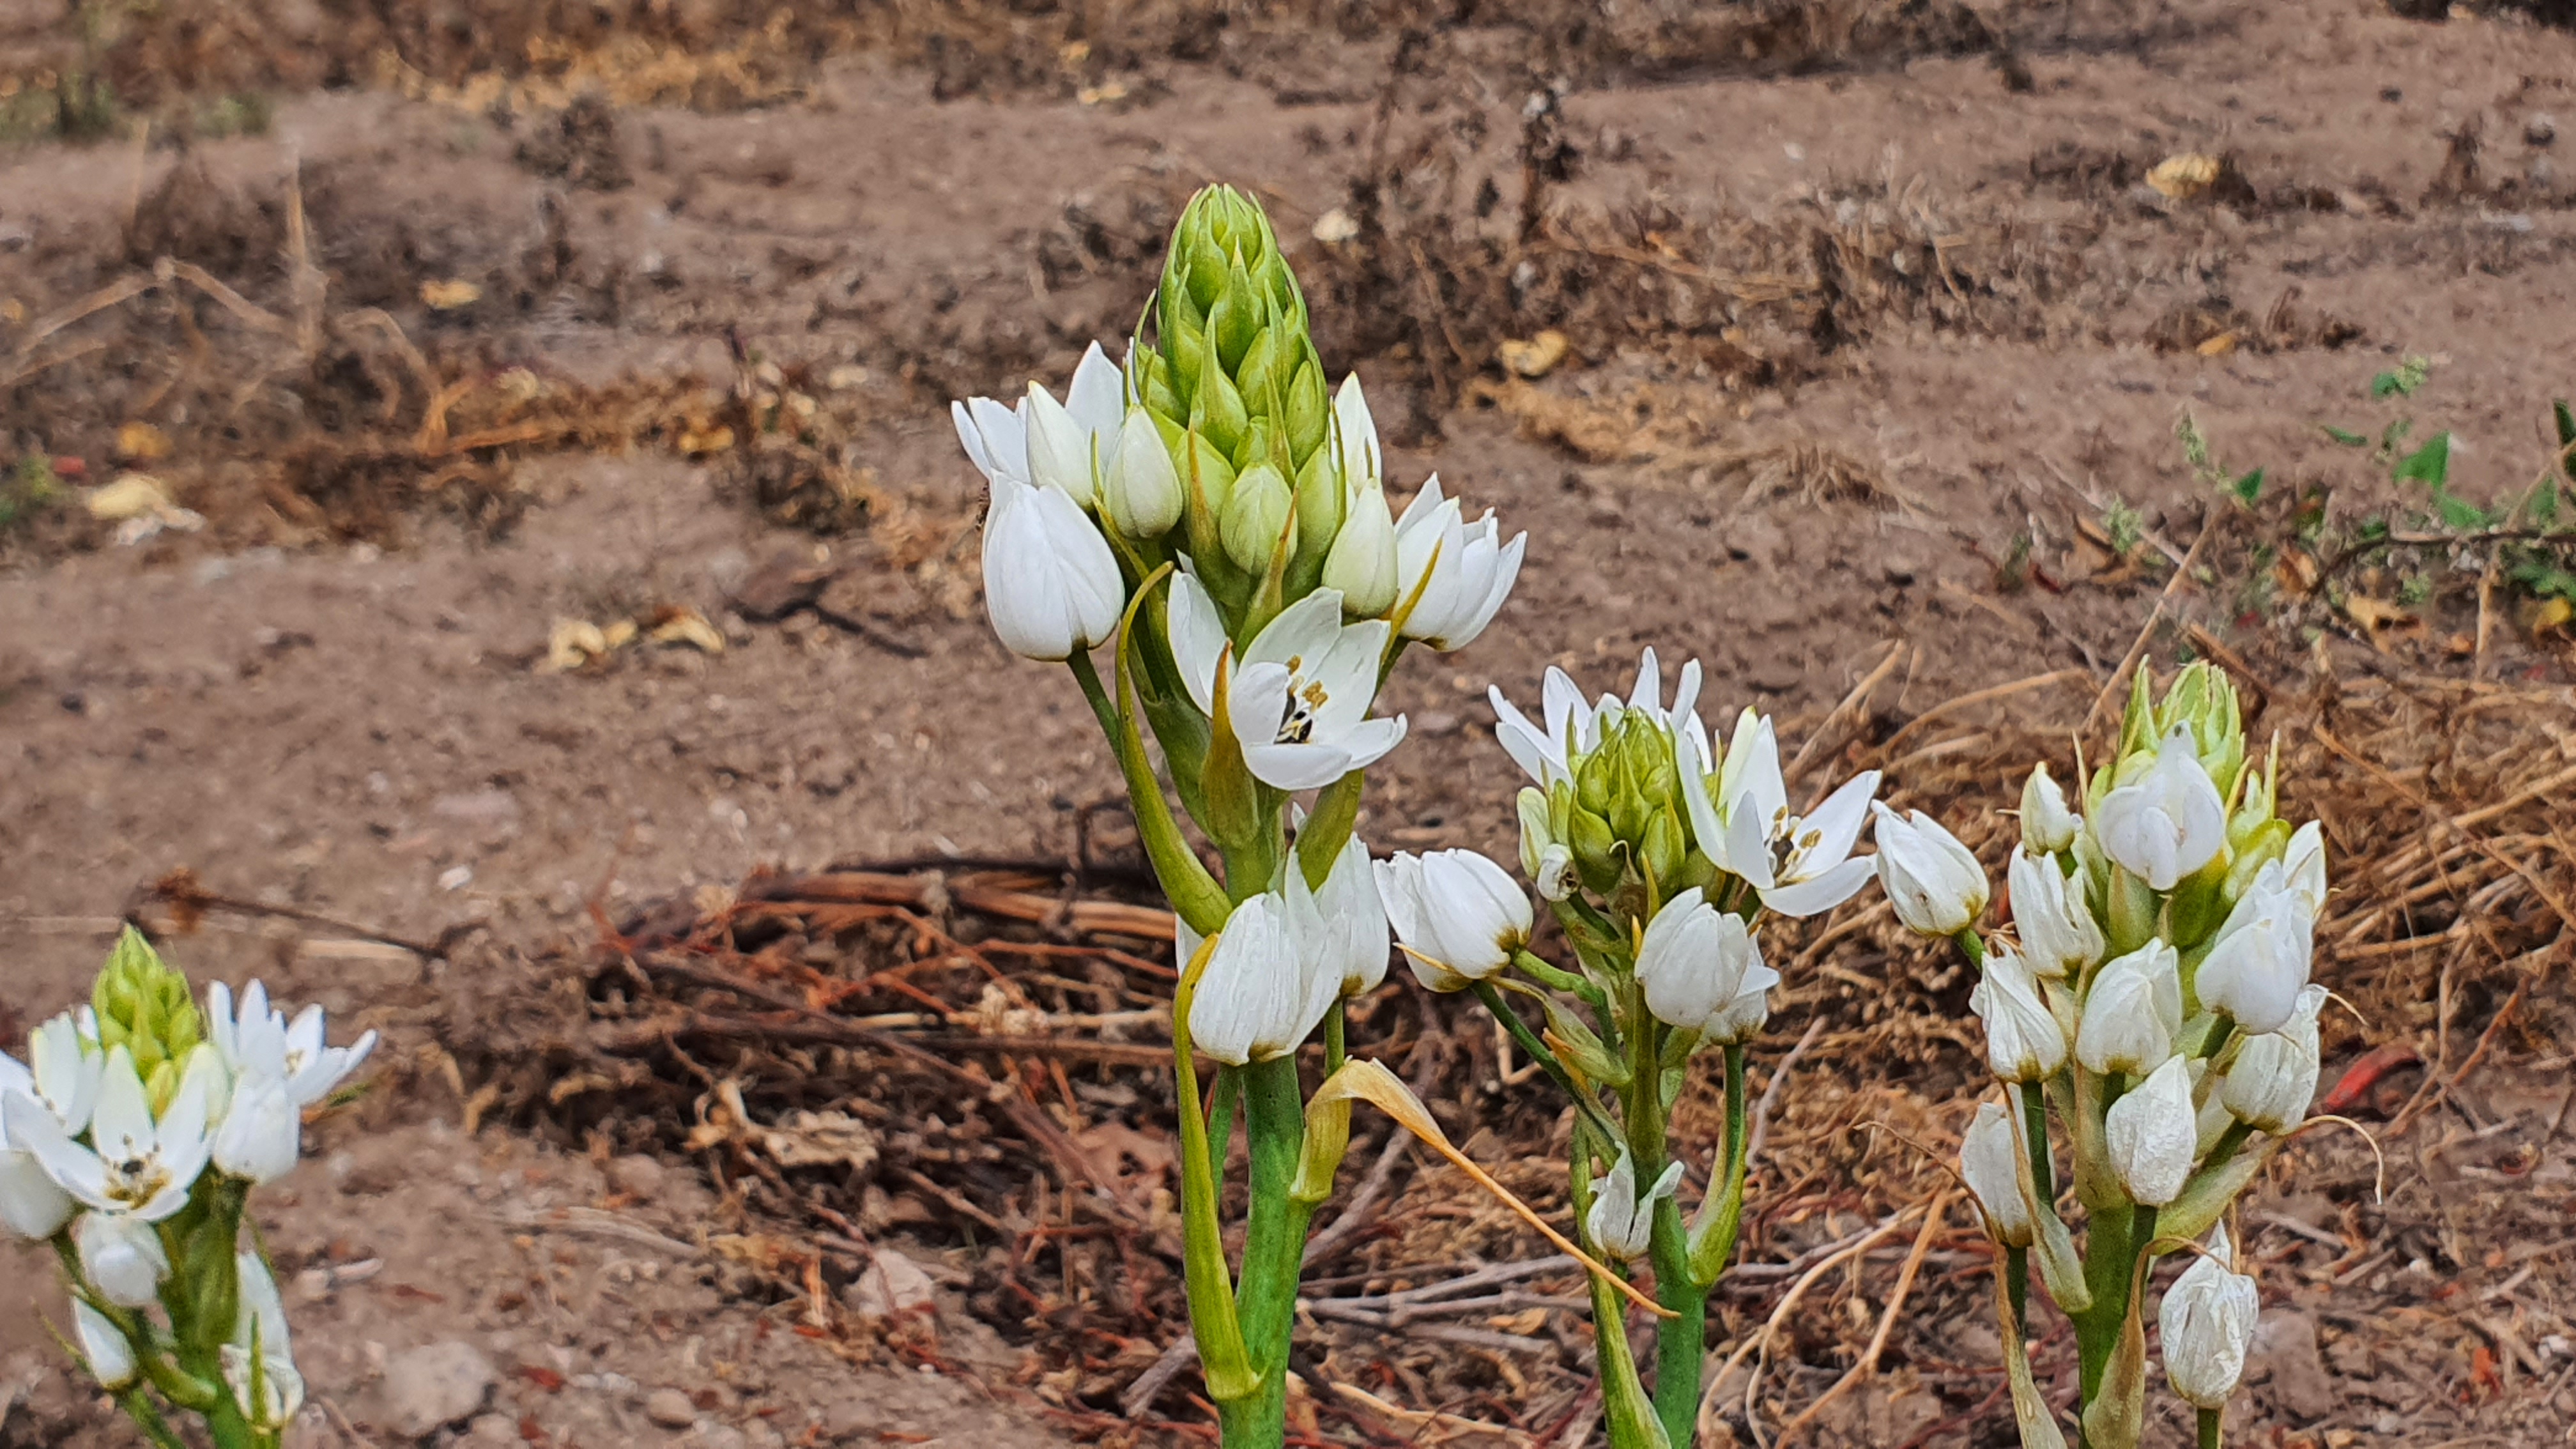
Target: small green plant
{"type": "Point", "coordinates": [2123, 526]}
{"type": "Point", "coordinates": [2246, 488]}
{"type": "Point", "coordinates": [28, 489]}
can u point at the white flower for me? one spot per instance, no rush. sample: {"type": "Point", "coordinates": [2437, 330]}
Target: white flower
{"type": "Point", "coordinates": [1693, 961]}
{"type": "Point", "coordinates": [1932, 880]}
{"type": "Point", "coordinates": [1361, 564]}
{"type": "Point", "coordinates": [2274, 1076]}
{"type": "Point", "coordinates": [1458, 915]}
{"type": "Point", "coordinates": [256, 1040]}
{"type": "Point", "coordinates": [122, 1258]}
{"type": "Point", "coordinates": [2132, 1012]}
{"type": "Point", "coordinates": [32, 1205]}
{"type": "Point", "coordinates": [2057, 932]}
{"type": "Point", "coordinates": [1345, 922]}
{"type": "Point", "coordinates": [2169, 822]}
{"type": "Point", "coordinates": [2152, 1133]}
{"type": "Point", "coordinates": [2208, 1319]}
{"type": "Point", "coordinates": [1801, 865]}
{"type": "Point", "coordinates": [262, 1132]}
{"type": "Point", "coordinates": [111, 1358]}
{"type": "Point", "coordinates": [1741, 1020]}
{"type": "Point", "coordinates": [2024, 1042]}
{"type": "Point", "coordinates": [1621, 1221]}
{"type": "Point", "coordinates": [1298, 698]}
{"type": "Point", "coordinates": [1574, 728]}
{"type": "Point", "coordinates": [996, 438]}
{"type": "Point", "coordinates": [2304, 866]}
{"type": "Point", "coordinates": [1051, 585]}
{"type": "Point", "coordinates": [141, 1165]}
{"type": "Point", "coordinates": [2047, 826]}
{"type": "Point", "coordinates": [1262, 993]}
{"type": "Point", "coordinates": [1071, 443]}
{"type": "Point", "coordinates": [1140, 491]}
{"type": "Point", "coordinates": [259, 1361]}
{"type": "Point", "coordinates": [1990, 1159]}
{"type": "Point", "coordinates": [64, 1065]}
{"type": "Point", "coordinates": [2258, 963]}
{"type": "Point", "coordinates": [1454, 574]}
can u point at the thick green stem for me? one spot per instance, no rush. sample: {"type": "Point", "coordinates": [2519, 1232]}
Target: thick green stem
{"type": "Point", "coordinates": [1274, 1239]}
{"type": "Point", "coordinates": [2211, 1435]}
{"type": "Point", "coordinates": [2229, 1143]}
{"type": "Point", "coordinates": [2108, 1257]}
{"type": "Point", "coordinates": [2017, 1283]}
{"type": "Point", "coordinates": [137, 1403]}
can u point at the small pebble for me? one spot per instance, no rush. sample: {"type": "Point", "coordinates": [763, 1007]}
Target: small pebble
{"type": "Point", "coordinates": [443, 1383]}
{"type": "Point", "coordinates": [670, 1408]}
{"type": "Point", "coordinates": [456, 878]}
{"type": "Point", "coordinates": [2541, 129]}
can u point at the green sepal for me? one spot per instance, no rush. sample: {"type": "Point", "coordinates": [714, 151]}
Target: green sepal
{"type": "Point", "coordinates": [1213, 1319]}
{"type": "Point", "coordinates": [1578, 1045]}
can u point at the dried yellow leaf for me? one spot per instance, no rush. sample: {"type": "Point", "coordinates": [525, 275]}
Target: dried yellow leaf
{"type": "Point", "coordinates": [688, 626]}
{"type": "Point", "coordinates": [142, 443]}
{"type": "Point", "coordinates": [2185, 176]}
{"type": "Point", "coordinates": [131, 495]}
{"type": "Point", "coordinates": [1536, 357]}
{"type": "Point", "coordinates": [447, 295]}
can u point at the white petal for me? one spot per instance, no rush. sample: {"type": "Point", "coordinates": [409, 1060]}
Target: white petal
{"type": "Point", "coordinates": [1820, 893]}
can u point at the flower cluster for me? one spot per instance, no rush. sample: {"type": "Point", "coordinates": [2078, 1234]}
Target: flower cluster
{"type": "Point", "coordinates": [1216, 514]}
{"type": "Point", "coordinates": [1659, 853]}
{"type": "Point", "coordinates": [2157, 1001]}
{"type": "Point", "coordinates": [130, 1139]}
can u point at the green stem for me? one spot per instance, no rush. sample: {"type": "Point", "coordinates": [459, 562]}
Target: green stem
{"type": "Point", "coordinates": [2228, 1144]}
{"type": "Point", "coordinates": [2017, 1284]}
{"type": "Point", "coordinates": [1571, 983]}
{"type": "Point", "coordinates": [1192, 891]}
{"type": "Point", "coordinates": [1336, 1029]}
{"type": "Point", "coordinates": [2211, 1435]}
{"type": "Point", "coordinates": [1273, 1245]}
{"type": "Point", "coordinates": [137, 1403]}
{"type": "Point", "coordinates": [2034, 1121]}
{"type": "Point", "coordinates": [2219, 1031]}
{"type": "Point", "coordinates": [2109, 1255]}
{"type": "Point", "coordinates": [1722, 1213]}
{"type": "Point", "coordinates": [1530, 1042]}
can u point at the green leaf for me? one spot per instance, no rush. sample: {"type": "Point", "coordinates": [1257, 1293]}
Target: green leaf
{"type": "Point", "coordinates": [2429, 464]}
{"type": "Point", "coordinates": [2461, 513]}
{"type": "Point", "coordinates": [2385, 385]}
{"type": "Point", "coordinates": [2249, 488]}
{"type": "Point", "coordinates": [2345, 437]}
{"type": "Point", "coordinates": [2566, 437]}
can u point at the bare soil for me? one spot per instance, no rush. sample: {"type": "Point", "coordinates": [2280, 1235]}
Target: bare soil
{"type": "Point", "coordinates": [1873, 326]}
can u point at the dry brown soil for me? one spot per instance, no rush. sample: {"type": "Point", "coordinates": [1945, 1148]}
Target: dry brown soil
{"type": "Point", "coordinates": [337, 706]}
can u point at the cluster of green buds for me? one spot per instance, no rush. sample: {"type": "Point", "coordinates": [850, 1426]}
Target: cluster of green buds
{"type": "Point", "coordinates": [2155, 1001]}
{"type": "Point", "coordinates": [1660, 861]}
{"type": "Point", "coordinates": [143, 1006]}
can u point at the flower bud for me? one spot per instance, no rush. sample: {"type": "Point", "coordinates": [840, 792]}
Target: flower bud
{"type": "Point", "coordinates": [1741, 1020]}
{"type": "Point", "coordinates": [1622, 1222]}
{"type": "Point", "coordinates": [144, 1006]}
{"type": "Point", "coordinates": [2024, 1042]}
{"type": "Point", "coordinates": [1454, 575]}
{"type": "Point", "coordinates": [1051, 585]}
{"type": "Point", "coordinates": [122, 1258]}
{"type": "Point", "coordinates": [2273, 1077]}
{"type": "Point", "coordinates": [1141, 495]}
{"type": "Point", "coordinates": [111, 1358]}
{"type": "Point", "coordinates": [2168, 823]}
{"type": "Point", "coordinates": [1362, 561]}
{"type": "Point", "coordinates": [1932, 880]}
{"type": "Point", "coordinates": [1060, 449]}
{"type": "Point", "coordinates": [2259, 961]}
{"type": "Point", "coordinates": [1459, 916]}
{"type": "Point", "coordinates": [1693, 960]}
{"type": "Point", "coordinates": [2203, 702]}
{"type": "Point", "coordinates": [1345, 921]}
{"type": "Point", "coordinates": [1355, 438]}
{"type": "Point", "coordinates": [1989, 1158]}
{"type": "Point", "coordinates": [259, 1361]}
{"type": "Point", "coordinates": [1259, 997]}
{"type": "Point", "coordinates": [2057, 932]}
{"type": "Point", "coordinates": [2151, 1134]}
{"type": "Point", "coordinates": [2303, 865]}
{"type": "Point", "coordinates": [1259, 512]}
{"type": "Point", "coordinates": [2047, 826]}
{"type": "Point", "coordinates": [2207, 1321]}
{"type": "Point", "coordinates": [2132, 1012]}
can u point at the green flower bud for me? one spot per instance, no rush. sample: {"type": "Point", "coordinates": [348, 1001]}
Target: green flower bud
{"type": "Point", "coordinates": [1319, 507]}
{"type": "Point", "coordinates": [1663, 848]}
{"type": "Point", "coordinates": [1597, 857]}
{"type": "Point", "coordinates": [1310, 409]}
{"type": "Point", "coordinates": [1256, 519]}
{"type": "Point", "coordinates": [2204, 698]}
{"type": "Point", "coordinates": [1218, 410]}
{"type": "Point", "coordinates": [1262, 378]}
{"type": "Point", "coordinates": [1207, 486]}
{"type": "Point", "coordinates": [1596, 782]}
{"type": "Point", "coordinates": [1236, 318]}
{"type": "Point", "coordinates": [144, 1006]}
